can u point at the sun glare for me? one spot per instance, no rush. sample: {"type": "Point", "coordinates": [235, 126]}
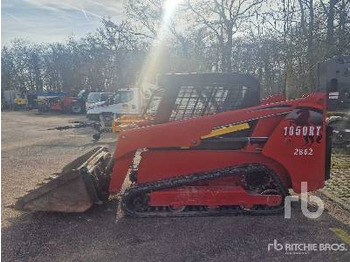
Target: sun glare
{"type": "Point", "coordinates": [153, 62]}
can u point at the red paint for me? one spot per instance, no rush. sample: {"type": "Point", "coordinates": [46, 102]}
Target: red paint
{"type": "Point", "coordinates": [160, 164]}
{"type": "Point", "coordinates": [63, 104]}
{"type": "Point", "coordinates": [165, 159]}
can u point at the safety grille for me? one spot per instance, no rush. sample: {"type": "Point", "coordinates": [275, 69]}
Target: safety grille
{"type": "Point", "coordinates": [194, 102]}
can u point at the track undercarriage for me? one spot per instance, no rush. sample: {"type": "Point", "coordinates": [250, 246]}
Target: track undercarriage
{"type": "Point", "coordinates": [249, 189]}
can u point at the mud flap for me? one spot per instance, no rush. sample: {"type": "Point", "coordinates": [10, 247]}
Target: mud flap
{"type": "Point", "coordinates": [81, 184]}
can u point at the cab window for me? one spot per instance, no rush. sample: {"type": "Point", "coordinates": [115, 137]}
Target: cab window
{"type": "Point", "coordinates": [93, 98]}
{"type": "Point", "coordinates": [105, 96]}
{"type": "Point", "coordinates": [123, 97]}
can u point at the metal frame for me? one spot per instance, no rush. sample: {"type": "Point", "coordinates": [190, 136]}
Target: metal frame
{"type": "Point", "coordinates": [193, 95]}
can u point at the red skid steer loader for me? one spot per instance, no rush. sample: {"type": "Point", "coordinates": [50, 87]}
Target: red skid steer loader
{"type": "Point", "coordinates": [213, 148]}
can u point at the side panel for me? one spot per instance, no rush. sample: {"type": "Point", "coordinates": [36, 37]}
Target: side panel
{"type": "Point", "coordinates": [161, 164]}
{"type": "Point", "coordinates": [119, 173]}
{"type": "Point", "coordinates": [165, 159]}
{"type": "Point", "coordinates": [299, 144]}
{"type": "Point", "coordinates": [264, 128]}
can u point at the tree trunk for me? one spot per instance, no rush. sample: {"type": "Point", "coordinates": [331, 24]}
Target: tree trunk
{"type": "Point", "coordinates": [310, 46]}
{"type": "Point", "coordinates": [228, 48]}
{"type": "Point", "coordinates": [342, 27]}
{"type": "Point", "coordinates": [330, 24]}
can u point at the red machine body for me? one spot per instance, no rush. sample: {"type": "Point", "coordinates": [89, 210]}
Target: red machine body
{"type": "Point", "coordinates": [287, 137]}
{"type": "Point", "coordinates": [286, 151]}
{"type": "Point", "coordinates": [68, 104]}
{"type": "Point", "coordinates": [213, 147]}
{"type": "Point", "coordinates": [62, 104]}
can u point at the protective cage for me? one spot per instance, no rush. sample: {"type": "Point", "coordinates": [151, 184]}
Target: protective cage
{"type": "Point", "coordinates": [193, 95]}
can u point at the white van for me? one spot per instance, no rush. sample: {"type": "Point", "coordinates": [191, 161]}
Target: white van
{"type": "Point", "coordinates": [122, 102]}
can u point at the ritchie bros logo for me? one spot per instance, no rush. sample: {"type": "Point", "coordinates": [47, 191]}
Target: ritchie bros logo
{"type": "Point", "coordinates": [305, 248]}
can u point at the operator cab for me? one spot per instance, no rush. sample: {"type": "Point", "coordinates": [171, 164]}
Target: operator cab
{"type": "Point", "coordinates": [199, 94]}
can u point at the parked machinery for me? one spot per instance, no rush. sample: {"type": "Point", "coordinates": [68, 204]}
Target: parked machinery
{"type": "Point", "coordinates": [335, 74]}
{"type": "Point", "coordinates": [20, 100]}
{"type": "Point", "coordinates": [145, 117]}
{"type": "Point", "coordinates": [213, 148]}
{"type": "Point", "coordinates": [125, 104]}
{"type": "Point", "coordinates": [96, 98]}
{"type": "Point", "coordinates": [117, 112]}
{"type": "Point", "coordinates": [61, 102]}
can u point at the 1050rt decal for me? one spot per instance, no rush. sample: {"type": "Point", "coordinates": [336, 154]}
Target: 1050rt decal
{"type": "Point", "coordinates": [302, 130]}
{"type": "Point", "coordinates": [309, 133]}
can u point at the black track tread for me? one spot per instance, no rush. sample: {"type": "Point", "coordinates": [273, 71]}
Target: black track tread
{"type": "Point", "coordinates": [198, 177]}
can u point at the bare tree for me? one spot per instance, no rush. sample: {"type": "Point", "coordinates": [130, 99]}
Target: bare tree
{"type": "Point", "coordinates": [224, 18]}
{"type": "Point", "coordinates": [281, 42]}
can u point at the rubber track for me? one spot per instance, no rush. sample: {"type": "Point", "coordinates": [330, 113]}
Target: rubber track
{"type": "Point", "coordinates": [180, 181]}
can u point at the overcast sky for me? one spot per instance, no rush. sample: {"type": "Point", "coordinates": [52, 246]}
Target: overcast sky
{"type": "Point", "coordinates": [54, 20]}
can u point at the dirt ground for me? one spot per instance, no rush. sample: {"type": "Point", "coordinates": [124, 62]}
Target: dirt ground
{"type": "Point", "coordinates": [338, 187]}
{"type": "Point", "coordinates": [31, 153]}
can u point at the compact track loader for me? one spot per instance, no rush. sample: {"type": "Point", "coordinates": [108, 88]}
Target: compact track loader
{"type": "Point", "coordinates": [213, 148]}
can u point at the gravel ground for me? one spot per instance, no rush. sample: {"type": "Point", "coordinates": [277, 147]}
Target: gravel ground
{"type": "Point", "coordinates": [31, 153]}
{"type": "Point", "coordinates": [339, 184]}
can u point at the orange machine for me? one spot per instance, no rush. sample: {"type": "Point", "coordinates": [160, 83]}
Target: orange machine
{"type": "Point", "coordinates": [212, 148]}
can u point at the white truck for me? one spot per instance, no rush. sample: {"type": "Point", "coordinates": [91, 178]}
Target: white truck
{"type": "Point", "coordinates": [96, 97]}
{"type": "Point", "coordinates": [122, 102]}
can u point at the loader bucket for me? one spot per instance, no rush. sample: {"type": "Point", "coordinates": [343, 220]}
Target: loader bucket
{"type": "Point", "coordinates": [81, 183]}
